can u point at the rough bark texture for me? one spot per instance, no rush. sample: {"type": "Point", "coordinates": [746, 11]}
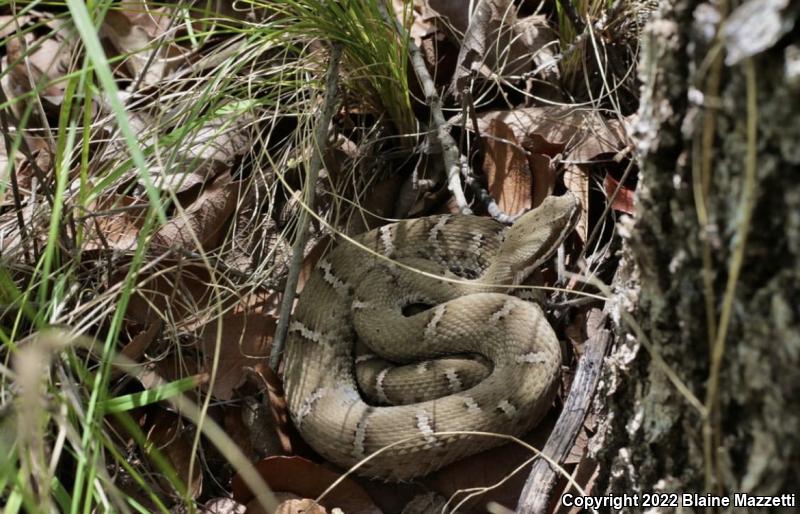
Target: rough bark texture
{"type": "Point", "coordinates": [652, 437]}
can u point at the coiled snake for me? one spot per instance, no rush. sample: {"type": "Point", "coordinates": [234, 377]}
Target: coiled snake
{"type": "Point", "coordinates": [432, 355]}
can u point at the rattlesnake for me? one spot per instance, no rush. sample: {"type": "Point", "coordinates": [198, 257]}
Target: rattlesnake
{"type": "Point", "coordinates": [406, 316]}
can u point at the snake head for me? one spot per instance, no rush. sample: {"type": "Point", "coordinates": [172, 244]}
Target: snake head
{"type": "Point", "coordinates": [533, 238]}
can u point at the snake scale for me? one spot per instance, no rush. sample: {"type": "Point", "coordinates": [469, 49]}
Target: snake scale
{"type": "Point", "coordinates": [381, 356]}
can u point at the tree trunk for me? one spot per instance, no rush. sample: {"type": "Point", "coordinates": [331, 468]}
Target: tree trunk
{"type": "Point", "coordinates": [711, 264]}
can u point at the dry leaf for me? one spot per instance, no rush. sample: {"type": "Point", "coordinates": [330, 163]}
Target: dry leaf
{"type": "Point", "coordinates": [138, 345]}
{"type": "Point", "coordinates": [579, 135]}
{"type": "Point", "coordinates": [8, 24]}
{"type": "Point", "coordinates": [544, 177]}
{"type": "Point", "coordinates": [496, 42]}
{"type": "Point", "coordinates": [506, 168]}
{"type": "Point", "coordinates": [300, 507]}
{"type": "Point", "coordinates": [43, 62]}
{"type": "Point", "coordinates": [279, 410]}
{"type": "Point", "coordinates": [576, 179]}
{"type": "Point", "coordinates": [223, 506]}
{"type": "Point", "coordinates": [575, 331]}
{"type": "Point", "coordinates": [308, 480]}
{"type": "Point", "coordinates": [420, 27]}
{"type": "Point", "coordinates": [168, 435]}
{"type": "Point", "coordinates": [624, 199]}
{"type": "Point", "coordinates": [176, 292]}
{"type": "Point", "coordinates": [490, 41]}
{"type": "Point", "coordinates": [184, 298]}
{"type": "Point", "coordinates": [207, 150]}
{"type": "Point", "coordinates": [246, 338]}
{"type": "Point", "coordinates": [578, 451]}
{"type": "Point", "coordinates": [491, 467]}
{"type": "Point", "coordinates": [136, 31]}
{"type": "Point", "coordinates": [540, 40]}
{"type": "Point", "coordinates": [257, 420]}
{"type": "Point", "coordinates": [378, 203]}
{"type": "Point", "coordinates": [203, 220]}
{"type": "Point", "coordinates": [114, 223]}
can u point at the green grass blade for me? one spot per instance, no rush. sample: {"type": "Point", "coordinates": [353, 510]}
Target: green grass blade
{"type": "Point", "coordinates": [132, 401]}
{"type": "Point", "coordinates": [94, 50]}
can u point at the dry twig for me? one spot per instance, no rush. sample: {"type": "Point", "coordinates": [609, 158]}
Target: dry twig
{"type": "Point", "coordinates": [320, 141]}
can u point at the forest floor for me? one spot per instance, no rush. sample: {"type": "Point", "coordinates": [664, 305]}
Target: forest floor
{"type": "Point", "coordinates": [154, 172]}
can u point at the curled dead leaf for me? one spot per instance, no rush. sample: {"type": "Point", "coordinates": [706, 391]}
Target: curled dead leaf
{"type": "Point", "coordinates": [202, 222]}
{"type": "Point", "coordinates": [420, 26]}
{"type": "Point", "coordinates": [137, 346]}
{"type": "Point", "coordinates": [300, 507]}
{"type": "Point", "coordinates": [498, 43]}
{"type": "Point", "coordinates": [38, 62]}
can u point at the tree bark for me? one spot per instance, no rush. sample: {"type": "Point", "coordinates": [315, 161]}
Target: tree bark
{"type": "Point", "coordinates": [712, 108]}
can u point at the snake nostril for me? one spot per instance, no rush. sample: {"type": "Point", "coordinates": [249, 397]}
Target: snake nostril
{"type": "Point", "coordinates": [415, 308]}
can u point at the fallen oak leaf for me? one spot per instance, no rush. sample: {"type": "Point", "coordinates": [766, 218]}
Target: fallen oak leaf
{"type": "Point", "coordinates": [202, 222]}
{"type": "Point", "coordinates": [304, 506]}
{"type": "Point", "coordinates": [279, 410]}
{"type": "Point", "coordinates": [38, 62]}
{"type": "Point", "coordinates": [420, 26]}
{"type": "Point", "coordinates": [136, 31]}
{"type": "Point", "coordinates": [543, 169]}
{"type": "Point", "coordinates": [457, 480]}
{"type": "Point", "coordinates": [576, 179]}
{"type": "Point", "coordinates": [508, 175]}
{"type": "Point", "coordinates": [206, 149]}
{"type": "Point", "coordinates": [168, 436]}
{"type": "Point", "coordinates": [177, 292]}
{"type": "Point", "coordinates": [137, 346]}
{"type": "Point", "coordinates": [113, 222]}
{"type": "Point", "coordinates": [622, 196]}
{"type": "Point", "coordinates": [247, 331]}
{"type": "Point", "coordinates": [579, 135]}
{"type": "Point", "coordinates": [307, 480]}
{"type": "Point", "coordinates": [496, 42]}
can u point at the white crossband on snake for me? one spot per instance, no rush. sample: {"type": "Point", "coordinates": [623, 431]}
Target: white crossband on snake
{"type": "Point", "coordinates": [379, 353]}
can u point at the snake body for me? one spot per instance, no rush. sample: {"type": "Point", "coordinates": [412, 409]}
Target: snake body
{"type": "Point", "coordinates": [439, 344]}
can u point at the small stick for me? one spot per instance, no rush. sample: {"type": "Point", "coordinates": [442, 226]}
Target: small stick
{"type": "Point", "coordinates": [535, 496]}
{"type": "Point", "coordinates": [441, 132]}
{"type": "Point", "coordinates": [320, 141]}
{"type": "Point", "coordinates": [5, 125]}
